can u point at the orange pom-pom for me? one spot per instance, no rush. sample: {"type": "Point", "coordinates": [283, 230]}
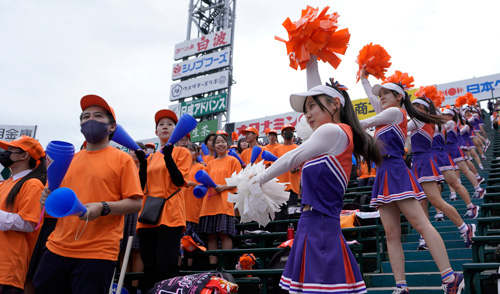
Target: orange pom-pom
{"type": "Point", "coordinates": [315, 34]}
{"type": "Point", "coordinates": [400, 78]}
{"type": "Point", "coordinates": [234, 137]}
{"type": "Point", "coordinates": [447, 106]}
{"type": "Point", "coordinates": [461, 101]}
{"type": "Point", "coordinates": [374, 59]}
{"type": "Point", "coordinates": [470, 99]}
{"type": "Point", "coordinates": [439, 98]}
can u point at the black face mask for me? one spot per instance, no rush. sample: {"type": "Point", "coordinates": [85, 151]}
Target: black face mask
{"type": "Point", "coordinates": [5, 159]}
{"type": "Point", "coordinates": [288, 135]}
{"type": "Point", "coordinates": [94, 131]}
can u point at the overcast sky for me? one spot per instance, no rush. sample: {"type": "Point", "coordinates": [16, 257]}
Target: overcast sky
{"type": "Point", "coordinates": [54, 52]}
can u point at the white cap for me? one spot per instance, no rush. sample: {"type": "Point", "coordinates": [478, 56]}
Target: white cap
{"type": "Point", "coordinates": [297, 100]}
{"type": "Point", "coordinates": [420, 101]}
{"type": "Point", "coordinates": [391, 86]}
{"type": "Point", "coordinates": [448, 111]}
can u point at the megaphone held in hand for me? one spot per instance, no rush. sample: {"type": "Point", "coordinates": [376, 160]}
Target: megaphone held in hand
{"type": "Point", "coordinates": [204, 149]}
{"type": "Point", "coordinates": [186, 124]}
{"type": "Point", "coordinates": [59, 155]}
{"type": "Point", "coordinates": [266, 155]}
{"type": "Point", "coordinates": [63, 202]}
{"type": "Point", "coordinates": [256, 150]}
{"type": "Point", "coordinates": [123, 138]}
{"type": "Point", "coordinates": [200, 191]}
{"type": "Point", "coordinates": [233, 153]}
{"type": "Point", "coordinates": [202, 177]}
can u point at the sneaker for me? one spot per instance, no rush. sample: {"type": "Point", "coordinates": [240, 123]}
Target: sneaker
{"type": "Point", "coordinates": [455, 287]}
{"type": "Point", "coordinates": [422, 245]}
{"type": "Point", "coordinates": [480, 180]}
{"type": "Point", "coordinates": [484, 157]}
{"type": "Point", "coordinates": [481, 166]}
{"type": "Point", "coordinates": [472, 212]}
{"type": "Point", "coordinates": [479, 194]}
{"type": "Point", "coordinates": [439, 216]}
{"type": "Point", "coordinates": [453, 197]}
{"type": "Point", "coordinates": [467, 236]}
{"type": "Point", "coordinates": [400, 290]}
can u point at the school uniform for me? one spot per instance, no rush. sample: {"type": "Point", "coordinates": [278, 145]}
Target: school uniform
{"type": "Point", "coordinates": [423, 166]}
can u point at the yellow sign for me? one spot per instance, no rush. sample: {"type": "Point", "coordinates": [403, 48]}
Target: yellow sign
{"type": "Point", "coordinates": [364, 109]}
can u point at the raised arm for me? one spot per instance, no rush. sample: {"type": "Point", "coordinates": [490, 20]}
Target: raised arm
{"type": "Point", "coordinates": [313, 78]}
{"type": "Point", "coordinates": [391, 115]}
{"type": "Point", "coordinates": [374, 101]}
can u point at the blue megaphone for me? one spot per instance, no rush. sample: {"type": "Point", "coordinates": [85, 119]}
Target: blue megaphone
{"type": "Point", "coordinates": [200, 191]}
{"type": "Point", "coordinates": [184, 126]}
{"type": "Point", "coordinates": [123, 138]}
{"type": "Point", "coordinates": [204, 149]}
{"type": "Point", "coordinates": [256, 150]}
{"type": "Point", "coordinates": [202, 177]}
{"type": "Point", "coordinates": [233, 153]}
{"type": "Point", "coordinates": [266, 155]}
{"type": "Point", "coordinates": [63, 202]}
{"type": "Point", "coordinates": [59, 155]}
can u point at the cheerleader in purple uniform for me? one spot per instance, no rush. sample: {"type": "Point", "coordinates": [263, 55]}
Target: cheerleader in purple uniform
{"type": "Point", "coordinates": [462, 127]}
{"type": "Point", "coordinates": [448, 169]}
{"type": "Point", "coordinates": [427, 171]}
{"type": "Point", "coordinates": [320, 260]}
{"type": "Point", "coordinates": [456, 153]}
{"type": "Point", "coordinates": [396, 190]}
{"type": "Point", "coordinates": [480, 126]}
{"type": "Point", "coordinates": [476, 137]}
{"type": "Point", "coordinates": [466, 132]}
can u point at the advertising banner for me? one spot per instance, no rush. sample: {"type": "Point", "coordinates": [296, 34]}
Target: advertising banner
{"type": "Point", "coordinates": [205, 43]}
{"type": "Point", "coordinates": [11, 132]}
{"type": "Point", "coordinates": [200, 64]}
{"type": "Point", "coordinates": [199, 85]}
{"type": "Point", "coordinates": [203, 129]}
{"type": "Point", "coordinates": [482, 88]}
{"type": "Point", "coordinates": [205, 106]}
{"type": "Point", "coordinates": [274, 122]}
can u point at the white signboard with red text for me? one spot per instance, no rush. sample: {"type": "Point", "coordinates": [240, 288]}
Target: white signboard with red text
{"type": "Point", "coordinates": [274, 122]}
{"type": "Point", "coordinates": [200, 64]}
{"type": "Point", "coordinates": [482, 88]}
{"type": "Point", "coordinates": [199, 85]}
{"type": "Point", "coordinates": [205, 43]}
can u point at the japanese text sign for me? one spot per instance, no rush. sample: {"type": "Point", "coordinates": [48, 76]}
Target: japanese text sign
{"type": "Point", "coordinates": [200, 64]}
{"type": "Point", "coordinates": [482, 88]}
{"type": "Point", "coordinates": [10, 132]}
{"type": "Point", "coordinates": [203, 129]}
{"type": "Point", "coordinates": [204, 106]}
{"type": "Point", "coordinates": [202, 44]}
{"type": "Point", "coordinates": [188, 88]}
{"type": "Point", "coordinates": [274, 122]}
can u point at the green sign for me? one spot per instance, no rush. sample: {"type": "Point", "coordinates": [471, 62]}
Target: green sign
{"type": "Point", "coordinates": [205, 106]}
{"type": "Point", "coordinates": [203, 129]}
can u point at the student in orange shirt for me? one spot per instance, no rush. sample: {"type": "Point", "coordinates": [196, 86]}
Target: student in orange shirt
{"type": "Point", "coordinates": [166, 172]}
{"type": "Point", "coordinates": [365, 177]}
{"type": "Point", "coordinates": [19, 209]}
{"type": "Point", "coordinates": [242, 145]}
{"type": "Point", "coordinates": [82, 251]}
{"type": "Point", "coordinates": [272, 136]}
{"type": "Point", "coordinates": [251, 136]}
{"type": "Point", "coordinates": [217, 215]}
{"type": "Point", "coordinates": [211, 152]}
{"type": "Point", "coordinates": [184, 141]}
{"type": "Point", "coordinates": [193, 204]}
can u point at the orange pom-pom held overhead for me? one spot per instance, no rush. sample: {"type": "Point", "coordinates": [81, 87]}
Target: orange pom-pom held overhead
{"type": "Point", "coordinates": [461, 101]}
{"type": "Point", "coordinates": [439, 98]}
{"type": "Point", "coordinates": [315, 34]}
{"type": "Point", "coordinates": [400, 78]}
{"type": "Point", "coordinates": [374, 59]}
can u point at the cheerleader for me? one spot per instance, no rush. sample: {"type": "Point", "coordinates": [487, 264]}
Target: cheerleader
{"type": "Point", "coordinates": [473, 119]}
{"type": "Point", "coordinates": [466, 134]}
{"type": "Point", "coordinates": [456, 153]}
{"type": "Point", "coordinates": [427, 171]}
{"type": "Point", "coordinates": [396, 188]}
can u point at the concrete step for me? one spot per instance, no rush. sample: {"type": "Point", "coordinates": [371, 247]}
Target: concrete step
{"type": "Point", "coordinates": [455, 235]}
{"type": "Point", "coordinates": [424, 265]}
{"type": "Point", "coordinates": [450, 244]}
{"type": "Point", "coordinates": [414, 290]}
{"type": "Point", "coordinates": [426, 255]}
{"type": "Point", "coordinates": [412, 279]}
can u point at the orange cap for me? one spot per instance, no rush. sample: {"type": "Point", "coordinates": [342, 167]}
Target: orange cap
{"type": "Point", "coordinates": [151, 144]}
{"type": "Point", "coordinates": [268, 131]}
{"type": "Point", "coordinates": [190, 245]}
{"type": "Point", "coordinates": [287, 126]}
{"type": "Point", "coordinates": [90, 100]}
{"type": "Point", "coordinates": [165, 113]}
{"type": "Point", "coordinates": [222, 132]}
{"type": "Point", "coordinates": [250, 129]}
{"type": "Point", "coordinates": [28, 144]}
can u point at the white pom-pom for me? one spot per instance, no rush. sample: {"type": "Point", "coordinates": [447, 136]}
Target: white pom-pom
{"type": "Point", "coordinates": [253, 201]}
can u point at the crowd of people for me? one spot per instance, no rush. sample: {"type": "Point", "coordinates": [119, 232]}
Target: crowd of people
{"type": "Point", "coordinates": [148, 193]}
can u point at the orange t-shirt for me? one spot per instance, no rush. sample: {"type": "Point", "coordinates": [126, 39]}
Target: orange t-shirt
{"type": "Point", "coordinates": [220, 169]}
{"type": "Point", "coordinates": [160, 185]}
{"type": "Point", "coordinates": [103, 175]}
{"type": "Point", "coordinates": [17, 247]}
{"type": "Point", "coordinates": [207, 158]}
{"type": "Point", "coordinates": [293, 179]}
{"type": "Point", "coordinates": [273, 148]}
{"type": "Point", "coordinates": [363, 171]}
{"type": "Point", "coordinates": [246, 155]}
{"type": "Point", "coordinates": [193, 204]}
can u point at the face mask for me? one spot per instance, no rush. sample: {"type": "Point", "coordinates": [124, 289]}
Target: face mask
{"type": "Point", "coordinates": [288, 135]}
{"type": "Point", "coordinates": [94, 131]}
{"type": "Point", "coordinates": [150, 150]}
{"type": "Point", "coordinates": [5, 159]}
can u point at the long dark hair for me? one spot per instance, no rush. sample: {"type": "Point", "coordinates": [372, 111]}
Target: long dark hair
{"type": "Point", "coordinates": [430, 110]}
{"type": "Point", "coordinates": [413, 113]}
{"type": "Point", "coordinates": [364, 144]}
{"type": "Point", "coordinates": [39, 172]}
